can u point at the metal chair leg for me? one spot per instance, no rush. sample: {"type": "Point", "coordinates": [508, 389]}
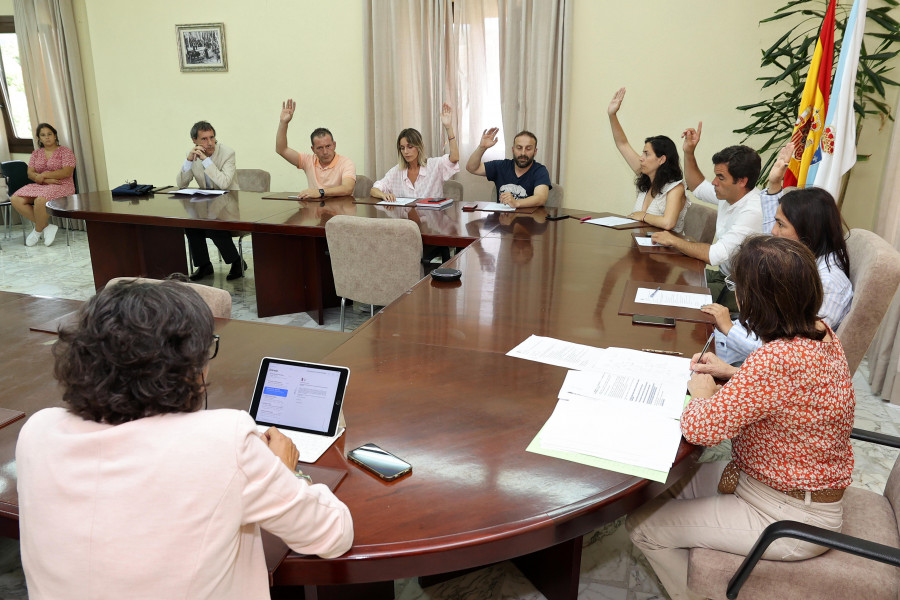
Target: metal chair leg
{"type": "Point", "coordinates": [343, 301]}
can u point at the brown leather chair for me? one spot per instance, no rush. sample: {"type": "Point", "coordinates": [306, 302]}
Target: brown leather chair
{"type": "Point", "coordinates": [700, 222]}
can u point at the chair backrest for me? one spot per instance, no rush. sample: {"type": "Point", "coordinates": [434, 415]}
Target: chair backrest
{"type": "Point", "coordinates": [218, 300]}
{"type": "Point", "coordinates": [363, 187]}
{"type": "Point", "coordinates": [700, 222]}
{"type": "Point", "coordinates": [373, 260]}
{"type": "Point", "coordinates": [555, 197]}
{"type": "Point", "coordinates": [16, 174]}
{"type": "Point", "coordinates": [454, 189]}
{"type": "Point", "coordinates": [875, 275]}
{"type": "Point", "coordinates": [254, 180]}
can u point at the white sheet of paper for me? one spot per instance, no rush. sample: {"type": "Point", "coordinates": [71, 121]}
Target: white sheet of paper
{"type": "Point", "coordinates": [645, 241]}
{"type": "Point", "coordinates": [560, 353]}
{"type": "Point", "coordinates": [657, 395]}
{"type": "Point", "coordinates": [610, 221]}
{"type": "Point", "coordinates": [399, 202]}
{"type": "Point", "coordinates": [669, 298]}
{"type": "Point", "coordinates": [628, 436]}
{"type": "Point", "coordinates": [193, 191]}
{"type": "Point", "coordinates": [497, 207]}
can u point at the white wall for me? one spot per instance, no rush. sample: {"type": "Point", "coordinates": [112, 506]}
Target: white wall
{"type": "Point", "coordinates": [144, 105]}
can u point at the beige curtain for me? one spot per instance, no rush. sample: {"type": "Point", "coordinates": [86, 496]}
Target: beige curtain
{"type": "Point", "coordinates": [51, 65]}
{"type": "Point", "coordinates": [407, 75]}
{"type": "Point", "coordinates": [884, 354]}
{"type": "Point", "coordinates": [535, 57]}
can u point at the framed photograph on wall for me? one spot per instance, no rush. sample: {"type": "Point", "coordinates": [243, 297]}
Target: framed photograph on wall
{"type": "Point", "coordinates": [201, 47]}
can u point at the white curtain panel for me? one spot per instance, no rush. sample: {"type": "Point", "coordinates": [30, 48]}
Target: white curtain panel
{"type": "Point", "coordinates": [884, 353]}
{"type": "Point", "coordinates": [51, 65]}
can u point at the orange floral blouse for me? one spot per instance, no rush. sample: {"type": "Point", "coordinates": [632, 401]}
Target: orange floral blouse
{"type": "Point", "coordinates": [788, 411]}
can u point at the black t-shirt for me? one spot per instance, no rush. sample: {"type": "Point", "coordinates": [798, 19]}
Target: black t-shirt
{"type": "Point", "coordinates": [503, 174]}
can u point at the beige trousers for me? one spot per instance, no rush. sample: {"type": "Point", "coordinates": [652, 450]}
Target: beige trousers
{"type": "Point", "coordinates": [696, 516]}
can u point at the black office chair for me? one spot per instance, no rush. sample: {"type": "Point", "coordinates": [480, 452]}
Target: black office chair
{"type": "Point", "coordinates": [15, 172]}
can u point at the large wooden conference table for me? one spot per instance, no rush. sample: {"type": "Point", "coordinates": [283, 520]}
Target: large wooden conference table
{"type": "Point", "coordinates": [430, 382]}
{"type": "Point", "coordinates": [143, 236]}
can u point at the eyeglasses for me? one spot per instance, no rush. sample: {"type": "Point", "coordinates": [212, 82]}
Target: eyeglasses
{"type": "Point", "coordinates": [729, 283]}
{"type": "Point", "coordinates": [214, 347]}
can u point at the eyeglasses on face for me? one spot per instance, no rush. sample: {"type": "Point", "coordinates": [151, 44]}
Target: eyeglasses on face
{"type": "Point", "coordinates": [214, 347]}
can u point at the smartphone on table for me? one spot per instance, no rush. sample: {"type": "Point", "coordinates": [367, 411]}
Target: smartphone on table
{"type": "Point", "coordinates": [379, 462]}
{"type": "Point", "coordinates": [653, 320]}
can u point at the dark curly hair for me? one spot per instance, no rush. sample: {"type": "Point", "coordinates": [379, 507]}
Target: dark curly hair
{"type": "Point", "coordinates": [668, 171]}
{"type": "Point", "coordinates": [778, 288]}
{"type": "Point", "coordinates": [138, 350]}
{"type": "Point", "coordinates": [814, 215]}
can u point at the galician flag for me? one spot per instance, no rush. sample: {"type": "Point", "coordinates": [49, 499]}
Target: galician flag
{"type": "Point", "coordinates": [837, 148]}
{"type": "Point", "coordinates": [813, 104]}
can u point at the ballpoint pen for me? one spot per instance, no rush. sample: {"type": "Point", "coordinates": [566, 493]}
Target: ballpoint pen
{"type": "Point", "coordinates": [654, 293]}
{"type": "Point", "coordinates": [705, 348]}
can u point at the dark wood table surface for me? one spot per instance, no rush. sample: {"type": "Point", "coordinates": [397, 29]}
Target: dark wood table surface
{"type": "Point", "coordinates": [430, 381]}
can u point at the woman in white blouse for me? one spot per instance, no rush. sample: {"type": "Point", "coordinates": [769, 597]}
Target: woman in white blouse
{"type": "Point", "coordinates": [415, 175]}
{"type": "Point", "coordinates": [661, 201]}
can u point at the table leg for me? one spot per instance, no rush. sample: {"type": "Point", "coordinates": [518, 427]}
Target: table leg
{"type": "Point", "coordinates": [554, 571]}
{"type": "Point", "coordinates": [129, 250]}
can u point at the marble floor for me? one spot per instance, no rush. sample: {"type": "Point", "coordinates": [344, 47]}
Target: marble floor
{"type": "Point", "coordinates": [611, 568]}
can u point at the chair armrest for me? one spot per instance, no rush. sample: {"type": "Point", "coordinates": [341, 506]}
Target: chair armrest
{"type": "Point", "coordinates": [815, 535]}
{"type": "Point", "coordinates": [881, 439]}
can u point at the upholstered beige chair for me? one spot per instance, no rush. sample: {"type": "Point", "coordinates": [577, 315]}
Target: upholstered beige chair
{"type": "Point", "coordinates": [875, 274]}
{"type": "Point", "coordinates": [555, 197]}
{"type": "Point", "coordinates": [219, 301]}
{"type": "Point", "coordinates": [454, 189]}
{"type": "Point", "coordinates": [254, 180]}
{"type": "Point", "coordinates": [363, 187]}
{"type": "Point", "coordinates": [373, 260]}
{"type": "Point", "coordinates": [700, 222]}
{"type": "Point", "coordinates": [869, 537]}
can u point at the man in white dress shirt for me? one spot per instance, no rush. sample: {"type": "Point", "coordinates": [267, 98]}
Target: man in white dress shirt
{"type": "Point", "coordinates": [739, 211]}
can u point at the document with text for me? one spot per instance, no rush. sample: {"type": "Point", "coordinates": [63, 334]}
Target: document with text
{"type": "Point", "coordinates": [192, 191]}
{"type": "Point", "coordinates": [559, 353]}
{"type": "Point", "coordinates": [398, 202]}
{"type": "Point", "coordinates": [670, 298]}
{"type": "Point", "coordinates": [496, 207]}
{"type": "Point", "coordinates": [610, 221]}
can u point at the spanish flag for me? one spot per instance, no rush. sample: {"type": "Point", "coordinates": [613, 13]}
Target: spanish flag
{"type": "Point", "coordinates": [813, 105]}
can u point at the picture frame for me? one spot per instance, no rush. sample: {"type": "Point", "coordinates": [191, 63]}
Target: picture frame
{"type": "Point", "coordinates": [201, 47]}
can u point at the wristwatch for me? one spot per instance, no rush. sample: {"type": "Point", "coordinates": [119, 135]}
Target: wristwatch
{"type": "Point", "coordinates": [321, 193]}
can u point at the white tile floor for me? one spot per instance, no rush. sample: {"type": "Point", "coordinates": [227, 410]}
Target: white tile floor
{"type": "Point", "coordinates": [611, 568]}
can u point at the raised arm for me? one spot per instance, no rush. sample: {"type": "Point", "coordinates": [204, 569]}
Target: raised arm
{"type": "Point", "coordinates": [447, 122]}
{"type": "Point", "coordinates": [281, 143]}
{"type": "Point", "coordinates": [776, 175]}
{"type": "Point", "coordinates": [488, 139]}
{"type": "Point", "coordinates": [692, 175]}
{"type": "Point", "coordinates": [631, 157]}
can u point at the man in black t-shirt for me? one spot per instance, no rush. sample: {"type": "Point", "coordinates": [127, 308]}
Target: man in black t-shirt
{"type": "Point", "coordinates": [520, 181]}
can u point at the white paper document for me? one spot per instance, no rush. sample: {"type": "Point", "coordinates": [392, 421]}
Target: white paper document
{"type": "Point", "coordinates": [560, 353]}
{"type": "Point", "coordinates": [192, 191]}
{"type": "Point", "coordinates": [610, 221]}
{"type": "Point", "coordinates": [398, 202]}
{"type": "Point", "coordinates": [497, 207]}
{"type": "Point", "coordinates": [628, 436]}
{"type": "Point", "coordinates": [670, 298]}
{"type": "Point", "coordinates": [645, 241]}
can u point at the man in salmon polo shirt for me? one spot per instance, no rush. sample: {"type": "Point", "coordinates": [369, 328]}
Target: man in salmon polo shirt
{"type": "Point", "coordinates": [327, 172]}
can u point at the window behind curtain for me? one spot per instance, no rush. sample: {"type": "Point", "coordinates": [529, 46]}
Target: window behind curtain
{"type": "Point", "coordinates": [13, 104]}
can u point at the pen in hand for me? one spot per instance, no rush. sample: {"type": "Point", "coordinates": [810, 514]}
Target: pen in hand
{"type": "Point", "coordinates": [705, 348]}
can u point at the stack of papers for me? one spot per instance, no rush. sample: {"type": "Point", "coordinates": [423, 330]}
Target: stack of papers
{"type": "Point", "coordinates": [398, 202]}
{"type": "Point", "coordinates": [496, 207]}
{"type": "Point", "coordinates": [671, 298]}
{"type": "Point", "coordinates": [618, 410]}
{"type": "Point", "coordinates": [192, 191]}
{"type": "Point", "coordinates": [610, 221]}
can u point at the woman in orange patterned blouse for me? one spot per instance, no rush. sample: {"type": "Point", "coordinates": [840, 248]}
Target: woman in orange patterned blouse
{"type": "Point", "coordinates": [788, 411]}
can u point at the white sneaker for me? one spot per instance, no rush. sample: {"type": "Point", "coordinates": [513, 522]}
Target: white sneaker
{"type": "Point", "coordinates": [33, 237]}
{"type": "Point", "coordinates": [50, 234]}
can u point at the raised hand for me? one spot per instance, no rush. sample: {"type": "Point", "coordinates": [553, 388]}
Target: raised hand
{"type": "Point", "coordinates": [287, 110]}
{"type": "Point", "coordinates": [489, 138]}
{"type": "Point", "coordinates": [692, 137]}
{"type": "Point", "coordinates": [446, 116]}
{"type": "Point", "coordinates": [776, 175]}
{"type": "Point", "coordinates": [616, 103]}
